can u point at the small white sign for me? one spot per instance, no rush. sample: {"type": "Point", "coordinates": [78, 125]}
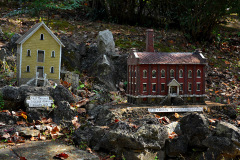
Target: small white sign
{"type": "Point", "coordinates": [39, 101]}
{"type": "Point", "coordinates": [195, 109]}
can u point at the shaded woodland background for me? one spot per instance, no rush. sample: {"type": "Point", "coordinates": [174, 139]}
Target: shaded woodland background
{"type": "Point", "coordinates": [198, 19]}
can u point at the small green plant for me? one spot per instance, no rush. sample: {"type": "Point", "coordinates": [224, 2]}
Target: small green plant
{"type": "Point", "coordinates": [156, 158]}
{"type": "Point", "coordinates": [1, 102]}
{"type": "Point", "coordinates": [113, 156]}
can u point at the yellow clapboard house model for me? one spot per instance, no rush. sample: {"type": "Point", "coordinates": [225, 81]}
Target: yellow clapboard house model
{"type": "Point", "coordinates": [38, 55]}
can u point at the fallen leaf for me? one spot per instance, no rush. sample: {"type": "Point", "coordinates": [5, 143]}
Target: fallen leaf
{"type": "Point", "coordinates": [6, 136]}
{"type": "Point", "coordinates": [20, 122]}
{"type": "Point", "coordinates": [23, 158]}
{"type": "Point", "coordinates": [116, 120]}
{"type": "Point", "coordinates": [176, 115]}
{"type": "Point", "coordinates": [33, 139]}
{"type": "Point", "coordinates": [75, 122]}
{"type": "Point", "coordinates": [172, 135]}
{"type": "Point", "coordinates": [62, 156]}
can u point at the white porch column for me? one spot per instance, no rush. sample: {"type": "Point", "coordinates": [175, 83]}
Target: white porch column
{"type": "Point", "coordinates": [177, 90]}
{"type": "Point", "coordinates": [169, 90]}
{"type": "Point", "coordinates": [37, 73]}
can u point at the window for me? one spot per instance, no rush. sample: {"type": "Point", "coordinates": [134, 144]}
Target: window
{"type": "Point", "coordinates": [135, 73]}
{"type": "Point", "coordinates": [28, 52]}
{"type": "Point", "coordinates": [189, 74]}
{"type": "Point", "coordinates": [144, 73]}
{"type": "Point", "coordinates": [198, 73]}
{"type": "Point", "coordinates": [181, 87]}
{"type": "Point", "coordinates": [171, 73]}
{"type": "Point", "coordinates": [162, 73]}
{"type": "Point", "coordinates": [28, 69]}
{"type": "Point", "coordinates": [144, 87]}
{"type": "Point", "coordinates": [189, 86]}
{"type": "Point", "coordinates": [41, 37]}
{"type": "Point", "coordinates": [162, 87]}
{"type": "Point", "coordinates": [53, 54]}
{"type": "Point", "coordinates": [180, 73]}
{"type": "Point", "coordinates": [40, 56]}
{"type": "Point", "coordinates": [153, 87]}
{"type": "Point", "coordinates": [154, 74]}
{"type": "Point", "coordinates": [52, 70]}
{"type": "Point", "coordinates": [198, 86]}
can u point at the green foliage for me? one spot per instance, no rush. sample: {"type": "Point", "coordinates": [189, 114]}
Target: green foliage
{"type": "Point", "coordinates": [1, 102]}
{"type": "Point", "coordinates": [35, 7]}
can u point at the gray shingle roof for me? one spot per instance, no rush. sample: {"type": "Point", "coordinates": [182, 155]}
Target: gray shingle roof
{"type": "Point", "coordinates": [169, 58]}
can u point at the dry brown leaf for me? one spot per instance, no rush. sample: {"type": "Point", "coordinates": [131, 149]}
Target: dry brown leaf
{"type": "Point", "coordinates": [177, 115]}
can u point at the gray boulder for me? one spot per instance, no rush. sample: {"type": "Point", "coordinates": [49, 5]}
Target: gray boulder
{"type": "Point", "coordinates": [105, 42]}
{"type": "Point", "coordinates": [177, 146]}
{"type": "Point", "coordinates": [63, 114]}
{"type": "Point", "coordinates": [60, 93]}
{"type": "Point", "coordinates": [123, 141]}
{"type": "Point", "coordinates": [10, 93]}
{"type": "Point", "coordinates": [195, 127]}
{"type": "Point", "coordinates": [72, 53]}
{"type": "Point", "coordinates": [104, 70]}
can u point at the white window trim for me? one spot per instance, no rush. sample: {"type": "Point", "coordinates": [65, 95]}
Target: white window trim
{"type": "Point", "coordinates": [188, 86]}
{"type": "Point", "coordinates": [53, 54]}
{"type": "Point", "coordinates": [164, 73]}
{"type": "Point", "coordinates": [146, 87]}
{"type": "Point", "coordinates": [41, 36]}
{"type": "Point", "coordinates": [143, 73]}
{"type": "Point", "coordinates": [43, 55]}
{"type": "Point", "coordinates": [155, 73]}
{"type": "Point", "coordinates": [200, 73]}
{"type": "Point", "coordinates": [179, 73]}
{"type": "Point", "coordinates": [161, 87]}
{"type": "Point", "coordinates": [180, 87]}
{"type": "Point", "coordinates": [27, 69]}
{"type": "Point", "coordinates": [189, 72]}
{"type": "Point", "coordinates": [199, 86]}
{"type": "Point", "coordinates": [51, 69]}
{"type": "Point", "coordinates": [173, 73]}
{"type": "Point", "coordinates": [29, 54]}
{"type": "Point", "coordinates": [155, 88]}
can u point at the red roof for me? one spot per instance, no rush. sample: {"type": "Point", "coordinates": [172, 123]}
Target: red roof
{"type": "Point", "coordinates": [168, 58]}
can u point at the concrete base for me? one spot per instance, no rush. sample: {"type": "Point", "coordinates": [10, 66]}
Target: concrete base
{"type": "Point", "coordinates": [157, 101]}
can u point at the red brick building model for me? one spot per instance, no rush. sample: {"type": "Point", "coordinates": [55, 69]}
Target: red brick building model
{"type": "Point", "coordinates": [165, 78]}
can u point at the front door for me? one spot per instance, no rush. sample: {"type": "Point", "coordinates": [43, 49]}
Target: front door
{"type": "Point", "coordinates": [40, 71]}
{"type": "Point", "coordinates": [173, 90]}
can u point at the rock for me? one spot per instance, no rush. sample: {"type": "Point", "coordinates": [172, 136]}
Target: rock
{"type": "Point", "coordinates": [222, 144]}
{"type": "Point", "coordinates": [103, 69]}
{"type": "Point", "coordinates": [177, 146]}
{"type": "Point", "coordinates": [105, 42]}
{"type": "Point", "coordinates": [195, 127]}
{"type": "Point", "coordinates": [63, 114]}
{"type": "Point", "coordinates": [231, 112]}
{"type": "Point", "coordinates": [228, 130]}
{"type": "Point", "coordinates": [11, 93]}
{"type": "Point", "coordinates": [72, 53]}
{"type": "Point", "coordinates": [174, 127]}
{"type": "Point", "coordinates": [123, 141]}
{"type": "Point", "coordinates": [7, 119]}
{"type": "Point", "coordinates": [25, 131]}
{"type": "Point", "coordinates": [102, 115]}
{"type": "Point", "coordinates": [60, 93]}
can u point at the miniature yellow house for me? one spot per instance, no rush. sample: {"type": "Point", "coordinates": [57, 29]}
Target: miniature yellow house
{"type": "Point", "coordinates": [38, 55]}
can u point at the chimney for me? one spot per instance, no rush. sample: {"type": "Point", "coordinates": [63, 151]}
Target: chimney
{"type": "Point", "coordinates": [149, 40]}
